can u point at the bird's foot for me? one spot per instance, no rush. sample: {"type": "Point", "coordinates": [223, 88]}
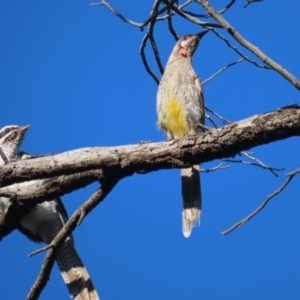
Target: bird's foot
{"type": "Point", "coordinates": [205, 128]}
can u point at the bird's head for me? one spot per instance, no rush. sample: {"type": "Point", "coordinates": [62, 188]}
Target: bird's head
{"type": "Point", "coordinates": [11, 137]}
{"type": "Point", "coordinates": [187, 45]}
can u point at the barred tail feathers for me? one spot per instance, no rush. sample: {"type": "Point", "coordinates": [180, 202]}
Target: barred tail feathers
{"type": "Point", "coordinates": [74, 273]}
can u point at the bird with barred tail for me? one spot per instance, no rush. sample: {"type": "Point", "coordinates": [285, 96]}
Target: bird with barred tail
{"type": "Point", "coordinates": [180, 110]}
{"type": "Point", "coordinates": [45, 220]}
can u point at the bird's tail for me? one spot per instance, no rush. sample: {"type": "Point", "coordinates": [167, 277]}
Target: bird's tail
{"type": "Point", "coordinates": [192, 200]}
{"type": "Point", "coordinates": [74, 273]}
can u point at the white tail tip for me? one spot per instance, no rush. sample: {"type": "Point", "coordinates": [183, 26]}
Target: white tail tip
{"type": "Point", "coordinates": [190, 216]}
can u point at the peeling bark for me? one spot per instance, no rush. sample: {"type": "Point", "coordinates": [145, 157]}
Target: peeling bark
{"type": "Point", "coordinates": [63, 173]}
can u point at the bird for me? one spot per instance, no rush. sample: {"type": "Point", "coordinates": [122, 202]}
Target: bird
{"type": "Point", "coordinates": [180, 111]}
{"type": "Point", "coordinates": [45, 220]}
{"type": "Point", "coordinates": [11, 137]}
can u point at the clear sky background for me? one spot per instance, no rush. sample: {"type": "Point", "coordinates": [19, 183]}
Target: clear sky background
{"type": "Point", "coordinates": [74, 73]}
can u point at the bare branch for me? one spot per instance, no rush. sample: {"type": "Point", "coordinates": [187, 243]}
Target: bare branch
{"type": "Point", "coordinates": [185, 4]}
{"type": "Point", "coordinates": [43, 277]}
{"type": "Point", "coordinates": [37, 191]}
{"type": "Point", "coordinates": [225, 121]}
{"type": "Point", "coordinates": [261, 164]}
{"type": "Point", "coordinates": [144, 59]}
{"type": "Point", "coordinates": [171, 28]}
{"type": "Point", "coordinates": [149, 35]}
{"type": "Point", "coordinates": [222, 70]}
{"type": "Point", "coordinates": [251, 1]}
{"type": "Point", "coordinates": [103, 2]}
{"type": "Point", "coordinates": [240, 53]}
{"type": "Point", "coordinates": [258, 163]}
{"type": "Point", "coordinates": [222, 11]}
{"type": "Point", "coordinates": [218, 167]}
{"type": "Point", "coordinates": [263, 57]}
{"type": "Point", "coordinates": [208, 117]}
{"type": "Point", "coordinates": [153, 15]}
{"type": "Point", "coordinates": [80, 214]}
{"type": "Point", "coordinates": [265, 202]}
{"type": "Point", "coordinates": [154, 47]}
{"type": "Point", "coordinates": [88, 165]}
{"type": "Point", "coordinates": [192, 19]}
{"type": "Point", "coordinates": [99, 162]}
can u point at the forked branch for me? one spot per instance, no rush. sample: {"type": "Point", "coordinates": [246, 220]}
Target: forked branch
{"type": "Point", "coordinates": [72, 223]}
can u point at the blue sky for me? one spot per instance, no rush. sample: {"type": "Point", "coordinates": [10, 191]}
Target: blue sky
{"type": "Point", "coordinates": [74, 73]}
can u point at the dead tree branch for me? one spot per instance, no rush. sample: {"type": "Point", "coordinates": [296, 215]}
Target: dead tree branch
{"type": "Point", "coordinates": [222, 70]}
{"type": "Point", "coordinates": [80, 214]}
{"type": "Point", "coordinates": [239, 52]}
{"type": "Point", "coordinates": [218, 167]}
{"type": "Point", "coordinates": [222, 11]}
{"type": "Point", "coordinates": [68, 228]}
{"type": "Point", "coordinates": [265, 202]}
{"type": "Point", "coordinates": [223, 120]}
{"type": "Point", "coordinates": [257, 163]}
{"type": "Point", "coordinates": [262, 56]}
{"type": "Point", "coordinates": [251, 1]}
{"type": "Point", "coordinates": [43, 277]}
{"type": "Point", "coordinates": [84, 166]}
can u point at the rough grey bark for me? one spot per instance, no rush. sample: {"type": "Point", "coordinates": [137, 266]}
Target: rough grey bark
{"type": "Point", "coordinates": [69, 171]}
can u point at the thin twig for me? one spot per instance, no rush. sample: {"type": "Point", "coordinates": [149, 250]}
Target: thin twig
{"type": "Point", "coordinates": [153, 17]}
{"type": "Point", "coordinates": [220, 166]}
{"type": "Point", "coordinates": [103, 2]}
{"type": "Point", "coordinates": [74, 221]}
{"type": "Point", "coordinates": [43, 277]}
{"type": "Point", "coordinates": [185, 4]}
{"type": "Point", "coordinates": [251, 1]}
{"type": "Point", "coordinates": [222, 11]}
{"type": "Point", "coordinates": [154, 48]}
{"type": "Point", "coordinates": [239, 52]}
{"type": "Point", "coordinates": [165, 16]}
{"type": "Point", "coordinates": [265, 202]}
{"type": "Point", "coordinates": [261, 164]}
{"type": "Point", "coordinates": [187, 16]}
{"type": "Point", "coordinates": [225, 121]}
{"type": "Point", "coordinates": [257, 163]}
{"type": "Point", "coordinates": [208, 117]}
{"type": "Point", "coordinates": [149, 35]}
{"type": "Point", "coordinates": [171, 28]}
{"type": "Point", "coordinates": [144, 59]}
{"type": "Point", "coordinates": [222, 70]}
{"type": "Point", "coordinates": [255, 50]}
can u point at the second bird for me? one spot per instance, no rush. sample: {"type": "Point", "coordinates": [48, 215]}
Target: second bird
{"type": "Point", "coordinates": [180, 110]}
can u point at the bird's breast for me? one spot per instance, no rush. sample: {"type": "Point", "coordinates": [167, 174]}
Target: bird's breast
{"type": "Point", "coordinates": [172, 117]}
{"type": "Point", "coordinates": [43, 220]}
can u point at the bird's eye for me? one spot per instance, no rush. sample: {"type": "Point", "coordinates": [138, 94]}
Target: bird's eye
{"type": "Point", "coordinates": [7, 130]}
{"type": "Point", "coordinates": [184, 38]}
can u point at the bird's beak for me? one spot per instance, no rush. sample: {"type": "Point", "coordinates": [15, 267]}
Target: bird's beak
{"type": "Point", "coordinates": [202, 34]}
{"type": "Point", "coordinates": [24, 128]}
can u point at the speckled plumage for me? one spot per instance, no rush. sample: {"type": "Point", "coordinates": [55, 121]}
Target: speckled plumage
{"type": "Point", "coordinates": [45, 220]}
{"type": "Point", "coordinates": [180, 108]}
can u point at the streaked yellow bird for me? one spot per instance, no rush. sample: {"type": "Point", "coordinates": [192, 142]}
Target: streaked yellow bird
{"type": "Point", "coordinates": [180, 110]}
